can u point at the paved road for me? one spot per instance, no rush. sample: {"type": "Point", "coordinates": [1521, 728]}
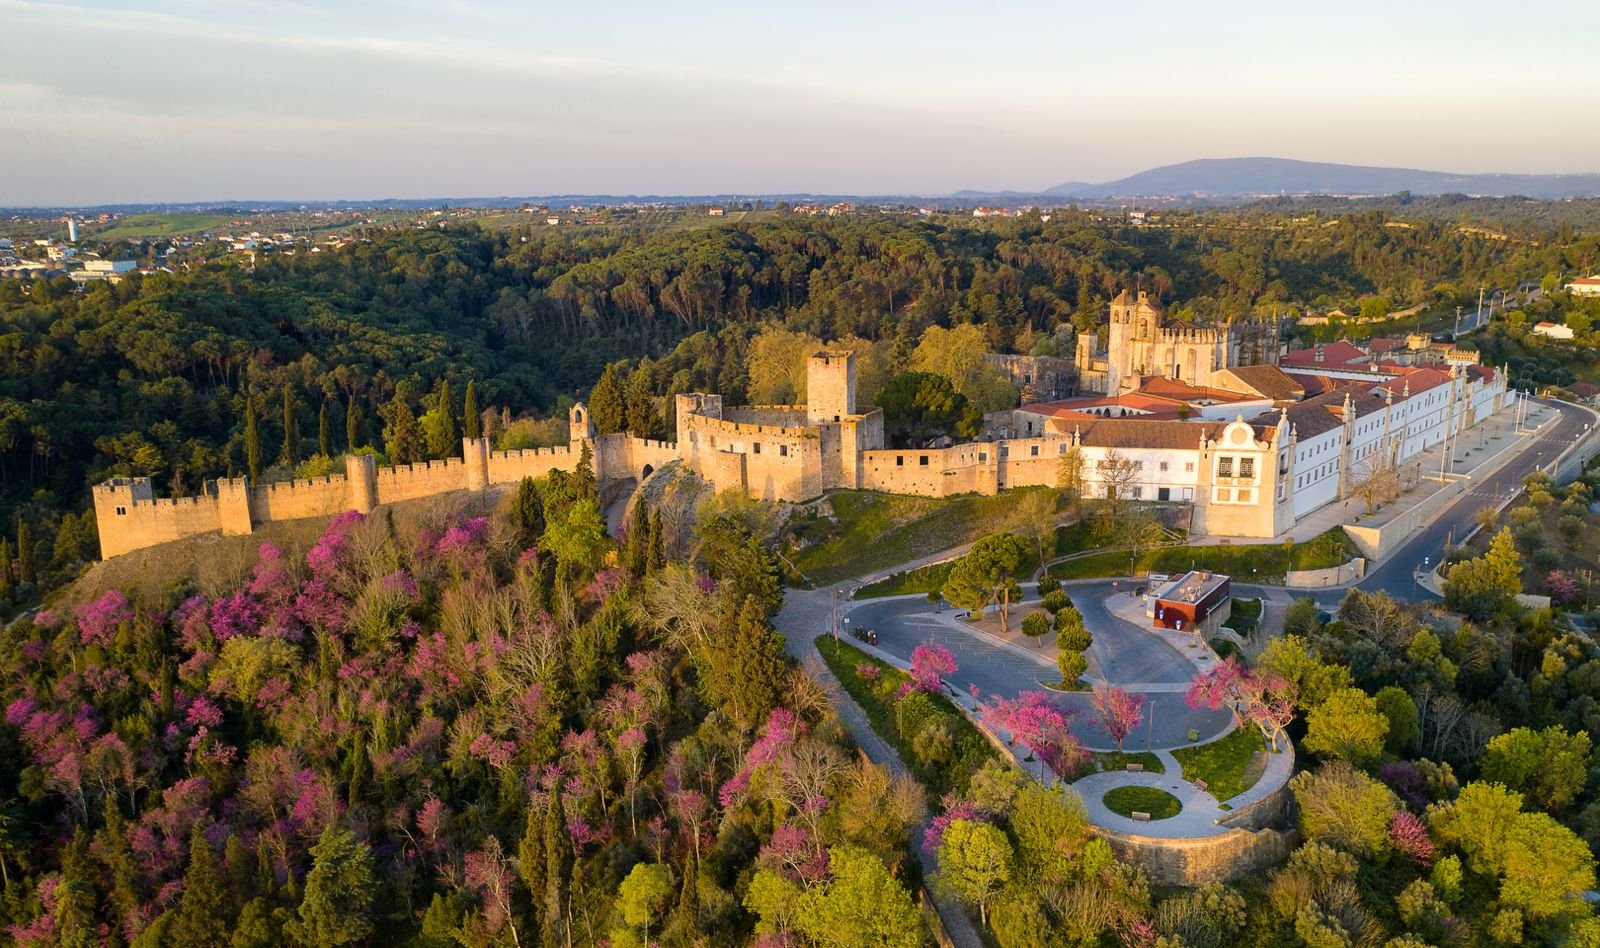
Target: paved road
{"type": "Point", "coordinates": [1395, 575]}
{"type": "Point", "coordinates": [1122, 653]}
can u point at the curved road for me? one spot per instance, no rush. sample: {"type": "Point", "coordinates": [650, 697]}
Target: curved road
{"type": "Point", "coordinates": [1394, 575]}
{"type": "Point", "coordinates": [1123, 654]}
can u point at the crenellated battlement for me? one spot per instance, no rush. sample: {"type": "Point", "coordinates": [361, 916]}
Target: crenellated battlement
{"type": "Point", "coordinates": [320, 483]}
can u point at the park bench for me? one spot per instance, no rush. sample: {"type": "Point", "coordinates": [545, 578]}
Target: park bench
{"type": "Point", "coordinates": [1136, 768]}
{"type": "Point", "coordinates": [1141, 817]}
{"type": "Point", "coordinates": [1199, 784]}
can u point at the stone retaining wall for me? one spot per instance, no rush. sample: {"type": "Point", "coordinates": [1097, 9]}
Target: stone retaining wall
{"type": "Point", "coordinates": [1196, 860]}
{"type": "Point", "coordinates": [1332, 576]}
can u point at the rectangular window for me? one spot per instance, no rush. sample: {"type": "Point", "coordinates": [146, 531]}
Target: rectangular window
{"type": "Point", "coordinates": [1163, 465]}
{"type": "Point", "coordinates": [983, 457]}
{"type": "Point", "coordinates": [1033, 451]}
{"type": "Point", "coordinates": [1138, 493]}
{"type": "Point", "coordinates": [923, 460]}
{"type": "Point", "coordinates": [1247, 467]}
{"type": "Point", "coordinates": [1244, 497]}
{"type": "Point", "coordinates": [783, 450]}
{"type": "Point", "coordinates": [1188, 493]}
{"type": "Point", "coordinates": [1163, 493]}
{"type": "Point", "coordinates": [755, 448]}
{"type": "Point", "coordinates": [122, 511]}
{"type": "Point", "coordinates": [1224, 495]}
{"type": "Point", "coordinates": [1225, 467]}
{"type": "Point", "coordinates": [1188, 467]}
{"type": "Point", "coordinates": [899, 460]}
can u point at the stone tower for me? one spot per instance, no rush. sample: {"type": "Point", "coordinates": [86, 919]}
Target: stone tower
{"type": "Point", "coordinates": [830, 387]}
{"type": "Point", "coordinates": [580, 427]}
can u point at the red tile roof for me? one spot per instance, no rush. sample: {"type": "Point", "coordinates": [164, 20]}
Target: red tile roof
{"type": "Point", "coordinates": [1419, 380]}
{"type": "Point", "coordinates": [1332, 353]}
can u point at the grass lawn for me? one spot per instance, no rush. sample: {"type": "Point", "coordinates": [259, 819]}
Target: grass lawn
{"type": "Point", "coordinates": [1228, 766]}
{"type": "Point", "coordinates": [1269, 561]}
{"type": "Point", "coordinates": [162, 225]}
{"type": "Point", "coordinates": [1111, 760]}
{"type": "Point", "coordinates": [1152, 800]}
{"type": "Point", "coordinates": [923, 579]}
{"type": "Point", "coordinates": [907, 725]}
{"type": "Point", "coordinates": [871, 531]}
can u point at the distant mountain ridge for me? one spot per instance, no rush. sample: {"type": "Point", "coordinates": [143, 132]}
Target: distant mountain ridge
{"type": "Point", "coordinates": [1246, 177]}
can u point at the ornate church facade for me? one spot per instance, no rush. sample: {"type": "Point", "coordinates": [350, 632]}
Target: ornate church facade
{"type": "Point", "coordinates": [1140, 343]}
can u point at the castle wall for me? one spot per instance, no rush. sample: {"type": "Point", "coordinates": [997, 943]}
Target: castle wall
{"type": "Point", "coordinates": [130, 519]}
{"type": "Point", "coordinates": [509, 467]}
{"type": "Point", "coordinates": [296, 500]}
{"type": "Point", "coordinates": [411, 481]}
{"type": "Point", "coordinates": [780, 462]}
{"type": "Point", "coordinates": [933, 472]}
{"type": "Point", "coordinates": [768, 416]}
{"type": "Point", "coordinates": [1031, 462]}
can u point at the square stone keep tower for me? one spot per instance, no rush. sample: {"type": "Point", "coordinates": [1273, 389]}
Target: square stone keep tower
{"type": "Point", "coordinates": [830, 387]}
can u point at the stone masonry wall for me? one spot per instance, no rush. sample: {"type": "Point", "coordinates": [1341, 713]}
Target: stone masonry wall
{"type": "Point", "coordinates": [295, 500]}
{"type": "Point", "coordinates": [1197, 860]}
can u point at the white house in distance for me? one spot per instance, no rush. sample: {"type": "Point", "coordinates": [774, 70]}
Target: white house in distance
{"type": "Point", "coordinates": [1585, 286]}
{"type": "Point", "coordinates": [1553, 330]}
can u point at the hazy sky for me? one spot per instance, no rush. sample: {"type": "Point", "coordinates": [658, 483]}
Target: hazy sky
{"type": "Point", "coordinates": [153, 100]}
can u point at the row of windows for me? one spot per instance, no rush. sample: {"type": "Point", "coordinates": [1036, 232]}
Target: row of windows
{"type": "Point", "coordinates": [1247, 467]}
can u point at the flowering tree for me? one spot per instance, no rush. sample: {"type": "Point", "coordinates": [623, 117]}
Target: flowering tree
{"type": "Point", "coordinates": [1563, 589]}
{"type": "Point", "coordinates": [1254, 696]}
{"type": "Point", "coordinates": [1117, 711]}
{"type": "Point", "coordinates": [1037, 721]}
{"type": "Point", "coordinates": [1410, 837]}
{"type": "Point", "coordinates": [930, 664]}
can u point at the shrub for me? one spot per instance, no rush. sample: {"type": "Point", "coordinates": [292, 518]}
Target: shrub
{"type": "Point", "coordinates": [1048, 585]}
{"type": "Point", "coordinates": [1072, 665]}
{"type": "Point", "coordinates": [1056, 600]}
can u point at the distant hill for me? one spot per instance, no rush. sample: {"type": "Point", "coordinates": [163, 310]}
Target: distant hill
{"type": "Point", "coordinates": [1246, 177]}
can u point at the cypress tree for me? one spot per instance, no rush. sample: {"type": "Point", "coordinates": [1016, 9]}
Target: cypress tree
{"type": "Point", "coordinates": [642, 418]}
{"type": "Point", "coordinates": [291, 430]}
{"type": "Point", "coordinates": [75, 896]}
{"type": "Point", "coordinates": [239, 865]}
{"type": "Point", "coordinates": [8, 578]}
{"type": "Point", "coordinates": [689, 895]}
{"type": "Point", "coordinates": [266, 867]}
{"type": "Point", "coordinates": [606, 407]}
{"type": "Point", "coordinates": [337, 906]}
{"type": "Point", "coordinates": [527, 513]}
{"type": "Point", "coordinates": [471, 416]}
{"type": "Point", "coordinates": [636, 556]}
{"type": "Point", "coordinates": [404, 438]}
{"type": "Point", "coordinates": [200, 922]}
{"type": "Point", "coordinates": [587, 486]}
{"type": "Point", "coordinates": [450, 422]}
{"type": "Point", "coordinates": [25, 570]}
{"type": "Point", "coordinates": [122, 869]}
{"type": "Point", "coordinates": [252, 441]}
{"type": "Point", "coordinates": [353, 438]}
{"type": "Point", "coordinates": [656, 557]}
{"type": "Point", "coordinates": [555, 873]}
{"type": "Point", "coordinates": [531, 858]}
{"type": "Point", "coordinates": [324, 432]}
